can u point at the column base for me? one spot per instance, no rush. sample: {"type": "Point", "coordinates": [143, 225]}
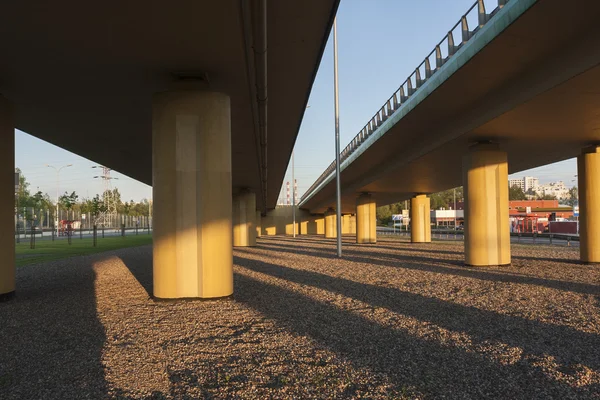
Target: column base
{"type": "Point", "coordinates": [486, 266]}
{"type": "Point", "coordinates": [7, 296]}
{"type": "Point", "coordinates": [177, 299]}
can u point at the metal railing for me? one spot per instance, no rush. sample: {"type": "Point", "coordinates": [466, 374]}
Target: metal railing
{"type": "Point", "coordinates": [415, 81]}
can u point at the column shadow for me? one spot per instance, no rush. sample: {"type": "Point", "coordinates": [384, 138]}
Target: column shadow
{"type": "Point", "coordinates": [51, 336]}
{"type": "Point", "coordinates": [140, 266]}
{"type": "Point", "coordinates": [568, 345]}
{"type": "Point", "coordinates": [427, 264]}
{"type": "Point", "coordinates": [420, 364]}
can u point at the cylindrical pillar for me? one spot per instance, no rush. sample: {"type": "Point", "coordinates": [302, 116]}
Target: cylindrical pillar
{"type": "Point", "coordinates": [420, 219]}
{"type": "Point", "coordinates": [366, 219]}
{"type": "Point", "coordinates": [7, 200]}
{"type": "Point", "coordinates": [487, 229]}
{"type": "Point", "coordinates": [191, 168]}
{"type": "Point", "coordinates": [330, 224]}
{"type": "Point", "coordinates": [588, 176]}
{"type": "Point", "coordinates": [258, 224]}
{"type": "Point", "coordinates": [244, 220]}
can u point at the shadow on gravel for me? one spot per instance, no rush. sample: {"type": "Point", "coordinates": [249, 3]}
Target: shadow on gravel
{"type": "Point", "coordinates": [140, 266]}
{"type": "Point", "coordinates": [51, 337]}
{"type": "Point", "coordinates": [423, 363]}
{"type": "Point", "coordinates": [552, 260]}
{"type": "Point", "coordinates": [427, 264]}
{"type": "Point", "coordinates": [351, 241]}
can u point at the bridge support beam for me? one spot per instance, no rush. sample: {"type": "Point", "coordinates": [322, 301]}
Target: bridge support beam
{"type": "Point", "coordinates": [258, 224]}
{"type": "Point", "coordinates": [420, 219]}
{"type": "Point", "coordinates": [487, 231]}
{"type": "Point", "coordinates": [330, 224]}
{"type": "Point", "coordinates": [191, 133]}
{"type": "Point", "coordinates": [588, 176]}
{"type": "Point", "coordinates": [366, 219]}
{"type": "Point", "coordinates": [7, 200]}
{"type": "Point", "coordinates": [244, 220]}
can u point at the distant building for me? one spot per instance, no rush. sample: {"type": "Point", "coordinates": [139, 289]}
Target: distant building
{"type": "Point", "coordinates": [526, 183]}
{"type": "Point", "coordinates": [557, 189]}
{"type": "Point", "coordinates": [531, 183]}
{"type": "Point", "coordinates": [447, 217]}
{"type": "Point", "coordinates": [534, 215]}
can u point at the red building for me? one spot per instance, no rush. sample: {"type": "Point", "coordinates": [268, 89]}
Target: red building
{"type": "Point", "coordinates": [534, 215]}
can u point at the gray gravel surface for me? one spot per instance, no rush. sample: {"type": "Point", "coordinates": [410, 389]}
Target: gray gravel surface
{"type": "Point", "coordinates": [390, 320]}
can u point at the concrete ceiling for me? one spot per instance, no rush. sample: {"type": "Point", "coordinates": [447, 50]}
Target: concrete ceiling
{"type": "Point", "coordinates": [535, 90]}
{"type": "Point", "coordinates": [82, 75]}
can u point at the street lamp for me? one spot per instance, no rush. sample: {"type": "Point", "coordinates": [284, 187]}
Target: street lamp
{"type": "Point", "coordinates": [455, 210]}
{"type": "Point", "coordinates": [57, 186]}
{"type": "Point", "coordinates": [293, 198]}
{"type": "Point", "coordinates": [337, 142]}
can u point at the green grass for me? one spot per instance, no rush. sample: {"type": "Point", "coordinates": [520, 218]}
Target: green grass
{"type": "Point", "coordinates": [47, 250]}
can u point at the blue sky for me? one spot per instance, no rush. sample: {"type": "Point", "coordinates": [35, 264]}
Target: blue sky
{"type": "Point", "coordinates": [380, 42]}
{"type": "Point", "coordinates": [32, 155]}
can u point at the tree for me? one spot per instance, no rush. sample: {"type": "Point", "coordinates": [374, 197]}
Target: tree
{"type": "Point", "coordinates": [127, 207]}
{"type": "Point", "coordinates": [384, 214]}
{"type": "Point", "coordinates": [23, 190]}
{"type": "Point", "coordinates": [547, 197]}
{"type": "Point", "coordinates": [573, 197]}
{"type": "Point", "coordinates": [445, 199]}
{"type": "Point", "coordinates": [67, 201]}
{"type": "Point", "coordinates": [141, 209]}
{"type": "Point", "coordinates": [96, 208]}
{"type": "Point", "coordinates": [516, 193]}
{"type": "Point", "coordinates": [113, 197]}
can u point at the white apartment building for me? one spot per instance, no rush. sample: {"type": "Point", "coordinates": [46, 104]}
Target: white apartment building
{"type": "Point", "coordinates": [557, 189]}
{"type": "Point", "coordinates": [516, 182]}
{"type": "Point", "coordinates": [526, 183]}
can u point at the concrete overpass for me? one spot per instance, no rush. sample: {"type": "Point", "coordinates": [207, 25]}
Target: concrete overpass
{"type": "Point", "coordinates": [514, 85]}
{"type": "Point", "coordinates": [201, 99]}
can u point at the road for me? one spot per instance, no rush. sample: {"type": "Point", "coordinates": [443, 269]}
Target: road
{"type": "Point", "coordinates": [384, 231]}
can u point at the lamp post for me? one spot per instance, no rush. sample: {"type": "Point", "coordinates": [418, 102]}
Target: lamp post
{"type": "Point", "coordinates": [454, 209]}
{"type": "Point", "coordinates": [338, 207]}
{"type": "Point", "coordinates": [293, 198]}
{"type": "Point", "coordinates": [57, 186]}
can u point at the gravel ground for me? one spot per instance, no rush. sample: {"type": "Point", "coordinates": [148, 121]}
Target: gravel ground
{"type": "Point", "coordinates": [390, 320]}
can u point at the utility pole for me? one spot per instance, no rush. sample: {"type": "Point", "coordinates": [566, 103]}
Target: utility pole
{"type": "Point", "coordinates": [57, 186]}
{"type": "Point", "coordinates": [293, 198]}
{"type": "Point", "coordinates": [107, 194]}
{"type": "Point", "coordinates": [455, 209]}
{"type": "Point", "coordinates": [338, 207]}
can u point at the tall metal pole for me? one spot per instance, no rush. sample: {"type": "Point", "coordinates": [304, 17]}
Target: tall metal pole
{"type": "Point", "coordinates": [338, 207]}
{"type": "Point", "coordinates": [293, 197]}
{"type": "Point", "coordinates": [454, 208]}
{"type": "Point", "coordinates": [57, 186]}
{"type": "Point", "coordinates": [57, 217]}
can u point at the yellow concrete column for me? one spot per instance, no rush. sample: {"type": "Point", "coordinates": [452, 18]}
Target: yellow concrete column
{"type": "Point", "coordinates": [191, 167]}
{"type": "Point", "coordinates": [315, 225]}
{"type": "Point", "coordinates": [366, 219]}
{"type": "Point", "coordinates": [320, 225]}
{"type": "Point", "coordinates": [330, 224]}
{"type": "Point", "coordinates": [346, 224]}
{"type": "Point", "coordinates": [258, 224]}
{"type": "Point", "coordinates": [588, 176]}
{"type": "Point", "coordinates": [7, 200]}
{"type": "Point", "coordinates": [420, 219]}
{"type": "Point", "coordinates": [244, 220]}
{"type": "Point", "coordinates": [487, 229]}
{"type": "Point", "coordinates": [304, 227]}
